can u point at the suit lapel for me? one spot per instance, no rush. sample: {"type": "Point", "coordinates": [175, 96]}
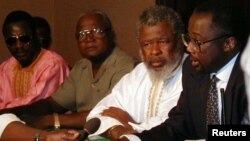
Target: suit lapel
{"type": "Point", "coordinates": [200, 99]}
{"type": "Point", "coordinates": [228, 97]}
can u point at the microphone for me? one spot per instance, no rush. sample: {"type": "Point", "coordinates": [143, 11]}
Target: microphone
{"type": "Point", "coordinates": [90, 127]}
{"type": "Point", "coordinates": [223, 116]}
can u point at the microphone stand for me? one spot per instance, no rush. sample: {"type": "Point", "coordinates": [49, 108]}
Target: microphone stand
{"type": "Point", "coordinates": [223, 120]}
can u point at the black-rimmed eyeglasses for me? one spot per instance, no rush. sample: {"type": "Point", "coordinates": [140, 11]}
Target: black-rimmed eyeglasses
{"type": "Point", "coordinates": [96, 32]}
{"type": "Point", "coordinates": [22, 38]}
{"type": "Point", "coordinates": [186, 39]}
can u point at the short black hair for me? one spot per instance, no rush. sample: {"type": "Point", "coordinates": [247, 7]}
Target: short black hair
{"type": "Point", "coordinates": [43, 26]}
{"type": "Point", "coordinates": [42, 23]}
{"type": "Point", "coordinates": [19, 16]}
{"type": "Point", "coordinates": [227, 16]}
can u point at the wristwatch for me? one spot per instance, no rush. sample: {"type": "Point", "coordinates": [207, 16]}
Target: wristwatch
{"type": "Point", "coordinates": [37, 137]}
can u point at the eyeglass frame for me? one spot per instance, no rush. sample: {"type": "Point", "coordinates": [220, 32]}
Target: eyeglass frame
{"type": "Point", "coordinates": [88, 32]}
{"type": "Point", "coordinates": [198, 43]}
{"type": "Point", "coordinates": [18, 37]}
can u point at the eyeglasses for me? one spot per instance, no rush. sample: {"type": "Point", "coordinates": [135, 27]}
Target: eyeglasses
{"type": "Point", "coordinates": [96, 32]}
{"type": "Point", "coordinates": [186, 39]}
{"type": "Point", "coordinates": [12, 40]}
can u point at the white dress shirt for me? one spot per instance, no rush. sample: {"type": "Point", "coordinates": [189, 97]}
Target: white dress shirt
{"type": "Point", "coordinates": [223, 75]}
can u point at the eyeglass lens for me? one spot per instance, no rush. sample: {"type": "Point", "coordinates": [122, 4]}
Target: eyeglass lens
{"type": "Point", "coordinates": [13, 40]}
{"type": "Point", "coordinates": [96, 32]}
{"type": "Point", "coordinates": [186, 39]}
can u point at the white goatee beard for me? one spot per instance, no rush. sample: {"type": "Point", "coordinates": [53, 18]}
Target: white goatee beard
{"type": "Point", "coordinates": [165, 72]}
{"type": "Point", "coordinates": [158, 79]}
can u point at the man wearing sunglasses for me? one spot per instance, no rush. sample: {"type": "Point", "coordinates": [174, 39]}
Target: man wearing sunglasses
{"type": "Point", "coordinates": [91, 78]}
{"type": "Point", "coordinates": [31, 73]}
{"type": "Point", "coordinates": [215, 39]}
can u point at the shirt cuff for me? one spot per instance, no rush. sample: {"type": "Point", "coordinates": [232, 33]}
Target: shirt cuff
{"type": "Point", "coordinates": [5, 120]}
{"type": "Point", "coordinates": [131, 137]}
{"type": "Point", "coordinates": [106, 123]}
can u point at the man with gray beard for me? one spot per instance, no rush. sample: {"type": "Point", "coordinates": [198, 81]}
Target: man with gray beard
{"type": "Point", "coordinates": [143, 98]}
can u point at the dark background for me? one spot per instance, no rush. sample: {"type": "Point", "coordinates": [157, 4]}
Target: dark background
{"type": "Point", "coordinates": [185, 8]}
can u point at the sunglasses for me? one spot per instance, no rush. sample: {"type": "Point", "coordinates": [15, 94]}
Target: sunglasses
{"type": "Point", "coordinates": [12, 40]}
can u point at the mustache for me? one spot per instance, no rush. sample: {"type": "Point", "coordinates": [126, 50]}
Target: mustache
{"type": "Point", "coordinates": [156, 59]}
{"type": "Point", "coordinates": [193, 58]}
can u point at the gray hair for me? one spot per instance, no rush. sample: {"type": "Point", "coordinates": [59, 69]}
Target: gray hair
{"type": "Point", "coordinates": [156, 14]}
{"type": "Point", "coordinates": [104, 17]}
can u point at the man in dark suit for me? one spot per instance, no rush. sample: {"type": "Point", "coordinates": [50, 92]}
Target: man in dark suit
{"type": "Point", "coordinates": [215, 39]}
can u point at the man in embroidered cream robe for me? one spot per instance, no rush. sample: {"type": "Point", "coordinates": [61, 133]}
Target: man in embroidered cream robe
{"type": "Point", "coordinates": [143, 98]}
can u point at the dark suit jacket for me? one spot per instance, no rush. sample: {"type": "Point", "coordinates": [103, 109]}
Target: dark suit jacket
{"type": "Point", "coordinates": [188, 119]}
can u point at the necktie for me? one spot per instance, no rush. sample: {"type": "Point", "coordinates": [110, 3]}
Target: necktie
{"type": "Point", "coordinates": [212, 103]}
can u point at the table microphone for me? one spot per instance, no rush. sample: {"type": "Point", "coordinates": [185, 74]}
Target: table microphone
{"type": "Point", "coordinates": [90, 127]}
{"type": "Point", "coordinates": [223, 115]}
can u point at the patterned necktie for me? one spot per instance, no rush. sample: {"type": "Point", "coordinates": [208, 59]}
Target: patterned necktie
{"type": "Point", "coordinates": [212, 103]}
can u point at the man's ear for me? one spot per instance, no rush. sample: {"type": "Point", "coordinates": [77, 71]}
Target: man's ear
{"type": "Point", "coordinates": [230, 44]}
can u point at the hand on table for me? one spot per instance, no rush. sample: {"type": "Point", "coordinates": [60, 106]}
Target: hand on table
{"type": "Point", "coordinates": [115, 133]}
{"type": "Point", "coordinates": [60, 135]}
{"type": "Point", "coordinates": [119, 114]}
